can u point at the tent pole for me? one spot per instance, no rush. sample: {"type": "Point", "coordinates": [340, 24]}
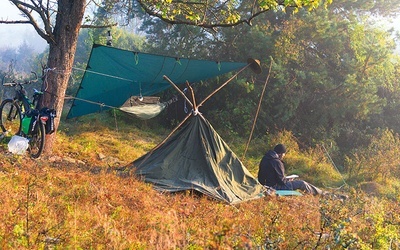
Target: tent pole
{"type": "Point", "coordinates": [223, 85]}
{"type": "Point", "coordinates": [192, 93]}
{"type": "Point", "coordinates": [177, 89]}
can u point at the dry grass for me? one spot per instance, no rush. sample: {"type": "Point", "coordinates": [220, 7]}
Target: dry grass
{"type": "Point", "coordinates": [76, 199]}
{"type": "Point", "coordinates": [75, 208]}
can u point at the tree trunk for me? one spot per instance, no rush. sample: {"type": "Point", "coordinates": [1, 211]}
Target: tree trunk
{"type": "Point", "coordinates": [61, 57]}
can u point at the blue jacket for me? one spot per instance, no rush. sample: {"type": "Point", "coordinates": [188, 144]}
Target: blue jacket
{"type": "Point", "coordinates": [271, 170]}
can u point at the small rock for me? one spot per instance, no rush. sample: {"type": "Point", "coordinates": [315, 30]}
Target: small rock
{"type": "Point", "coordinates": [101, 156]}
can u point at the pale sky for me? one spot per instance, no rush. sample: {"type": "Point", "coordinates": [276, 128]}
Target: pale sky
{"type": "Point", "coordinates": [13, 35]}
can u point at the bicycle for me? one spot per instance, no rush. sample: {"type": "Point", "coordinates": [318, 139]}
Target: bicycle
{"type": "Point", "coordinates": [23, 117]}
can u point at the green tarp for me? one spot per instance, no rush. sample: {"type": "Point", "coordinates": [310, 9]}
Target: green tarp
{"type": "Point", "coordinates": [196, 158]}
{"type": "Point", "coordinates": [113, 75]}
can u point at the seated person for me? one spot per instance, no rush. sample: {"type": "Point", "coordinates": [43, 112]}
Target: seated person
{"type": "Point", "coordinates": [271, 173]}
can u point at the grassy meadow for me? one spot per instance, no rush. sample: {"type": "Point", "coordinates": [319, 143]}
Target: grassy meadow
{"type": "Point", "coordinates": [81, 198]}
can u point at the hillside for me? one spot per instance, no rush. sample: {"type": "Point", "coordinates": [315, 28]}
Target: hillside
{"type": "Point", "coordinates": [79, 198]}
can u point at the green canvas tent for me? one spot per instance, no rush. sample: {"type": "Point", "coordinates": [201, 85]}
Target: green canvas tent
{"type": "Point", "coordinates": [196, 158]}
{"type": "Point", "coordinates": [113, 75]}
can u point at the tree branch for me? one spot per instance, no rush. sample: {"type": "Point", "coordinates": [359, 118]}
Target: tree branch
{"type": "Point", "coordinates": [203, 24]}
{"type": "Point", "coordinates": [15, 22]}
{"type": "Point", "coordinates": [27, 9]}
{"type": "Point", "coordinates": [208, 10]}
{"type": "Point", "coordinates": [90, 26]}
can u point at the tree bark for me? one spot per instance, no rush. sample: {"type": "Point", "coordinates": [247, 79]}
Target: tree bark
{"type": "Point", "coordinates": [61, 57]}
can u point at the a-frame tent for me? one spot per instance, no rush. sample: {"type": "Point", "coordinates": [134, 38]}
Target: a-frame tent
{"type": "Point", "coordinates": [194, 157]}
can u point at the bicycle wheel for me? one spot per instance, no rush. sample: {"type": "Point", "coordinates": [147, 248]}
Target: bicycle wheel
{"type": "Point", "coordinates": [10, 121]}
{"type": "Point", "coordinates": [37, 140]}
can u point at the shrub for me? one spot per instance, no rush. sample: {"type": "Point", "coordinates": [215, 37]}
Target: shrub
{"type": "Point", "coordinates": [376, 163]}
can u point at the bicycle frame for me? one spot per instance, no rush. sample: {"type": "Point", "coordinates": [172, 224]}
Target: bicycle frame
{"type": "Point", "coordinates": [31, 119]}
{"type": "Point", "coordinates": [28, 108]}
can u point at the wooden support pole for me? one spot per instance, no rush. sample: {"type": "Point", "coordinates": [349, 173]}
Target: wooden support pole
{"type": "Point", "coordinates": [223, 85]}
{"type": "Point", "coordinates": [192, 93]}
{"type": "Point", "coordinates": [177, 89]}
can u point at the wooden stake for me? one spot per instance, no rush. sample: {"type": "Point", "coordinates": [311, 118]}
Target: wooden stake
{"type": "Point", "coordinates": [258, 110]}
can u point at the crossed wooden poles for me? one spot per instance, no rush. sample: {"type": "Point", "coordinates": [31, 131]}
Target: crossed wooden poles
{"type": "Point", "coordinates": [254, 65]}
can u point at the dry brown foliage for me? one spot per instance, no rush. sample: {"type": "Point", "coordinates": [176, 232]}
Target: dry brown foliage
{"type": "Point", "coordinates": [79, 198]}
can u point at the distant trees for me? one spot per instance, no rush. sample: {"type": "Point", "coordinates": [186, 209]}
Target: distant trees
{"type": "Point", "coordinates": [331, 70]}
{"type": "Point", "coordinates": [18, 59]}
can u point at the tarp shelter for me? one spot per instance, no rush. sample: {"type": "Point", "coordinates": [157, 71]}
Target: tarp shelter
{"type": "Point", "coordinates": [196, 158]}
{"type": "Point", "coordinates": [113, 75]}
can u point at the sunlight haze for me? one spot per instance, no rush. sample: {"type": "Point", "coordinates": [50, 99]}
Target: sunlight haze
{"type": "Point", "coordinates": [13, 35]}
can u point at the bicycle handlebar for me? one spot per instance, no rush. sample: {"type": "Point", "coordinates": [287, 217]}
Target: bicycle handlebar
{"type": "Point", "coordinates": [15, 83]}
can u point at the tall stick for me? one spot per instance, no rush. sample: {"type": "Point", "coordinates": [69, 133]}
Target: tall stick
{"type": "Point", "coordinates": [258, 110]}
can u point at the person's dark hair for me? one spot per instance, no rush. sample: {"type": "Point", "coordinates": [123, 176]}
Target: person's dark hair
{"type": "Point", "coordinates": [280, 149]}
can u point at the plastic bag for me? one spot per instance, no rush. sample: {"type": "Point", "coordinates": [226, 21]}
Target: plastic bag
{"type": "Point", "coordinates": [18, 145]}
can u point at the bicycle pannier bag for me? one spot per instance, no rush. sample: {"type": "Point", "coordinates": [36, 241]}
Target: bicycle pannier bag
{"type": "Point", "coordinates": [26, 124]}
{"type": "Point", "coordinates": [51, 114]}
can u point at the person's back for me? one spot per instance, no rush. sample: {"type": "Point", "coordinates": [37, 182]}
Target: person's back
{"type": "Point", "coordinates": [271, 170]}
{"type": "Point", "coordinates": [271, 173]}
